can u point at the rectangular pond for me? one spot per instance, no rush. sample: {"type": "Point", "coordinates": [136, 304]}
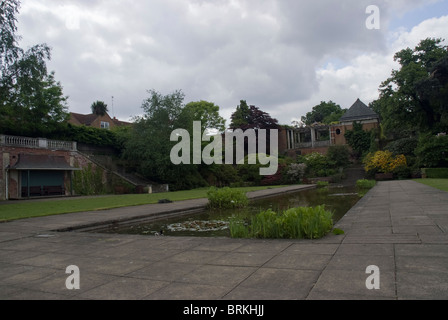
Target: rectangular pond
{"type": "Point", "coordinates": [214, 223]}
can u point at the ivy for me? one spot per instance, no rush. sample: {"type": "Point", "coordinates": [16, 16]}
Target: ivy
{"type": "Point", "coordinates": [358, 139]}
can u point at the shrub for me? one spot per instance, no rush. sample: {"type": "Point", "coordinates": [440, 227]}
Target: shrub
{"type": "Point", "coordinates": [404, 146]}
{"type": "Point", "coordinates": [223, 175]}
{"type": "Point", "coordinates": [188, 181]}
{"type": "Point", "coordinates": [338, 156]}
{"type": "Point", "coordinates": [383, 161]}
{"type": "Point", "coordinates": [249, 172]}
{"type": "Point", "coordinates": [436, 173]}
{"type": "Point", "coordinates": [276, 179]}
{"type": "Point", "coordinates": [296, 172]}
{"type": "Point", "coordinates": [294, 223]}
{"type": "Point", "coordinates": [402, 172]}
{"type": "Point", "coordinates": [317, 164]}
{"type": "Point", "coordinates": [89, 181]}
{"type": "Point", "coordinates": [432, 151]}
{"type": "Point", "coordinates": [226, 198]}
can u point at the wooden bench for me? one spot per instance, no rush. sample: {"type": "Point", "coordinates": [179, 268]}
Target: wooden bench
{"type": "Point", "coordinates": [53, 190]}
{"type": "Point", "coordinates": [35, 191]}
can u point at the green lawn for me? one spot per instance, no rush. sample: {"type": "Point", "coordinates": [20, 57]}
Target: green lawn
{"type": "Point", "coordinates": [441, 184]}
{"type": "Point", "coordinates": [38, 208]}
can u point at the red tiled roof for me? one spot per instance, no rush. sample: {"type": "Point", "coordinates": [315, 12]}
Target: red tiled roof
{"type": "Point", "coordinates": [85, 119]}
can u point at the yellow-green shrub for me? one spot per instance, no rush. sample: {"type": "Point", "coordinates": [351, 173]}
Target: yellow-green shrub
{"type": "Point", "coordinates": [383, 161]}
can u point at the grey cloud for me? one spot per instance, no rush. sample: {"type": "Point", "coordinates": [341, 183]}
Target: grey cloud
{"type": "Point", "coordinates": [264, 51]}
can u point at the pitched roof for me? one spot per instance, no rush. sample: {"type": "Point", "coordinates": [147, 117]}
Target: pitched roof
{"type": "Point", "coordinates": [120, 123]}
{"type": "Point", "coordinates": [85, 119]}
{"type": "Point", "coordinates": [41, 162]}
{"type": "Point", "coordinates": [359, 111]}
{"type": "Point", "coordinates": [88, 119]}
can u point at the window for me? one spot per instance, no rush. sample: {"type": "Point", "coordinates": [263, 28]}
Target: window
{"type": "Point", "coordinates": [104, 125]}
{"type": "Point", "coordinates": [338, 131]}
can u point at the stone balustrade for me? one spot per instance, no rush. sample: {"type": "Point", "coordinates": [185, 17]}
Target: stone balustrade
{"type": "Point", "coordinates": [39, 143]}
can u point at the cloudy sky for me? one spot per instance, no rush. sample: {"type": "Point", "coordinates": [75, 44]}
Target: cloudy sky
{"type": "Point", "coordinates": [284, 56]}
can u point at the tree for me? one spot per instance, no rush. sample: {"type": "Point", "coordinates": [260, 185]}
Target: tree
{"type": "Point", "coordinates": [432, 151]}
{"type": "Point", "coordinates": [207, 113]}
{"type": "Point", "coordinates": [149, 145]}
{"type": "Point", "coordinates": [99, 108]}
{"type": "Point", "coordinates": [240, 116]}
{"type": "Point", "coordinates": [414, 97]}
{"type": "Point", "coordinates": [325, 112]}
{"type": "Point", "coordinates": [246, 117]}
{"type": "Point", "coordinates": [31, 101]}
{"type": "Point", "coordinates": [9, 50]}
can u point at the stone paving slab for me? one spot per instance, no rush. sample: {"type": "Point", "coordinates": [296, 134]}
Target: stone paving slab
{"type": "Point", "coordinates": [399, 226]}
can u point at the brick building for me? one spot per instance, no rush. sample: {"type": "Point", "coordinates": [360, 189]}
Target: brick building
{"type": "Point", "coordinates": [95, 120]}
{"type": "Point", "coordinates": [31, 167]}
{"type": "Point", "coordinates": [319, 137]}
{"type": "Point", "coordinates": [358, 112]}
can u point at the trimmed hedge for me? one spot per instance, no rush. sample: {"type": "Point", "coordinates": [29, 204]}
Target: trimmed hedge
{"type": "Point", "coordinates": [436, 173]}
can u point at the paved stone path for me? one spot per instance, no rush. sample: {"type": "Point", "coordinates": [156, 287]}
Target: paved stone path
{"type": "Point", "coordinates": [400, 226]}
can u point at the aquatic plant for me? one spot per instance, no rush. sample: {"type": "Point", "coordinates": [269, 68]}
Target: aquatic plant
{"type": "Point", "coordinates": [322, 184]}
{"type": "Point", "coordinates": [226, 198]}
{"type": "Point", "coordinates": [294, 223]}
{"type": "Point", "coordinates": [365, 184]}
{"type": "Point", "coordinates": [199, 225]}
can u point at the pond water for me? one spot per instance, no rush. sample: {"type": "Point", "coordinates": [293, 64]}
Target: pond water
{"type": "Point", "coordinates": [214, 223]}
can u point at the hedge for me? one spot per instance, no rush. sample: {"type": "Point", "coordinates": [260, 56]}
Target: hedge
{"type": "Point", "coordinates": [436, 173]}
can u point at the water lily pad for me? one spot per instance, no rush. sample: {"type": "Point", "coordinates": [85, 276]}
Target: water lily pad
{"type": "Point", "coordinates": [199, 225]}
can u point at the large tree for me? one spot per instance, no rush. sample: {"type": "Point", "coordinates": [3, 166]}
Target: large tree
{"type": "Point", "coordinates": [207, 113]}
{"type": "Point", "coordinates": [9, 49]}
{"type": "Point", "coordinates": [31, 101]}
{"type": "Point", "coordinates": [325, 112]}
{"type": "Point", "coordinates": [250, 117]}
{"type": "Point", "coordinates": [414, 98]}
{"type": "Point", "coordinates": [149, 144]}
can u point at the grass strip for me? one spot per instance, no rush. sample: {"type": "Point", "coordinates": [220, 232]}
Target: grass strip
{"type": "Point", "coordinates": [441, 184]}
{"type": "Point", "coordinates": [46, 207]}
